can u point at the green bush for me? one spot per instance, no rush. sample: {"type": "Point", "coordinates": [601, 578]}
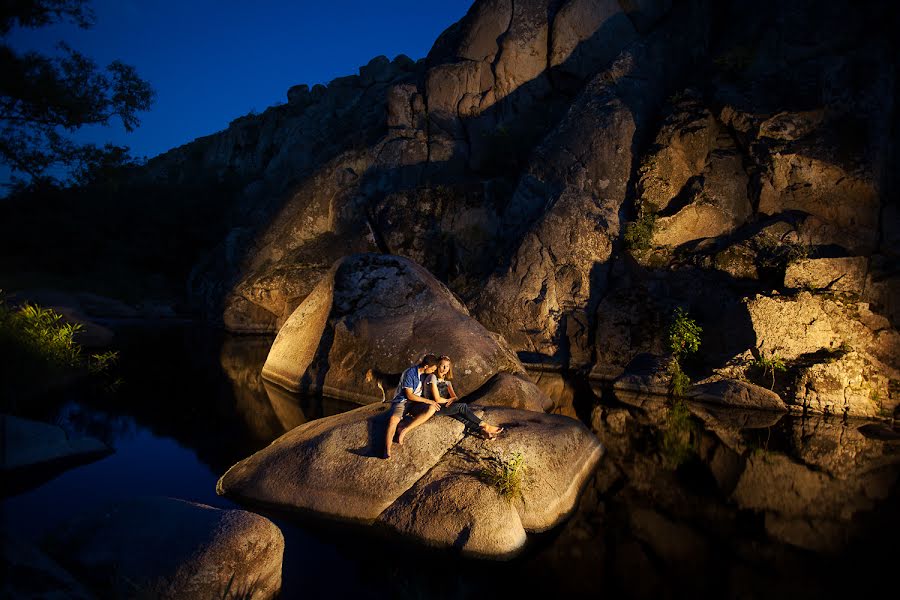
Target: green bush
{"type": "Point", "coordinates": [684, 334]}
{"type": "Point", "coordinates": [39, 349]}
{"type": "Point", "coordinates": [39, 333]}
{"type": "Point", "coordinates": [639, 234]}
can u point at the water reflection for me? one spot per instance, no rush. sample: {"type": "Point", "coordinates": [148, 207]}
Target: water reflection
{"type": "Point", "coordinates": [753, 503]}
{"type": "Point", "coordinates": [697, 501]}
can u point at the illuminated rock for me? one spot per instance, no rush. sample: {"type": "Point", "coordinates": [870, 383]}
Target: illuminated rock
{"type": "Point", "coordinates": [432, 489]}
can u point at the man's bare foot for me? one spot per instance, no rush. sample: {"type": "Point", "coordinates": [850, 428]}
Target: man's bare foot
{"type": "Point", "coordinates": [401, 435]}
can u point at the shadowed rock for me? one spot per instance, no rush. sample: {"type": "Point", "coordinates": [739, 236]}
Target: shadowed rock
{"type": "Point", "coordinates": [33, 452]}
{"type": "Point", "coordinates": [163, 547]}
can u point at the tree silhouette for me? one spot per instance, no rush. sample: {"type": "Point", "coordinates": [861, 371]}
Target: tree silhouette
{"type": "Point", "coordinates": [43, 99]}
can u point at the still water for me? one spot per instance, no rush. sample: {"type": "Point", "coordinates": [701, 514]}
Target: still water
{"type": "Point", "coordinates": [688, 502]}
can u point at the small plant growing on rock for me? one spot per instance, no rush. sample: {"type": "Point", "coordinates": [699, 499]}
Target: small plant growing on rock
{"type": "Point", "coordinates": [639, 234]}
{"type": "Point", "coordinates": [684, 334]}
{"type": "Point", "coordinates": [679, 381]}
{"type": "Point", "coordinates": [684, 339]}
{"type": "Point", "coordinates": [506, 473]}
{"type": "Point", "coordinates": [773, 363]}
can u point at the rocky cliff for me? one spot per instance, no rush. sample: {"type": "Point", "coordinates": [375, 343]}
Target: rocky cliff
{"type": "Point", "coordinates": [574, 170]}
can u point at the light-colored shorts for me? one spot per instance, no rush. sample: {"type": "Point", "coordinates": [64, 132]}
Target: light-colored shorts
{"type": "Point", "coordinates": [404, 407]}
{"type": "Point", "coordinates": [398, 409]}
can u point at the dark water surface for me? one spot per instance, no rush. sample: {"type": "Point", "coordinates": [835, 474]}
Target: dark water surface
{"type": "Point", "coordinates": [688, 502]}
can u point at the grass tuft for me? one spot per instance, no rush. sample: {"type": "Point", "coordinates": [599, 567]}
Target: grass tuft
{"type": "Point", "coordinates": [506, 473]}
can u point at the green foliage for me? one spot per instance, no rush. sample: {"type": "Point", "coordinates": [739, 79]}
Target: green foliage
{"type": "Point", "coordinates": [639, 234]}
{"type": "Point", "coordinates": [40, 334]}
{"type": "Point", "coordinates": [770, 364]}
{"type": "Point", "coordinates": [680, 436]}
{"type": "Point", "coordinates": [39, 350]}
{"type": "Point", "coordinates": [684, 334]}
{"type": "Point", "coordinates": [679, 381]}
{"type": "Point", "coordinates": [43, 98]}
{"type": "Point", "coordinates": [506, 473]}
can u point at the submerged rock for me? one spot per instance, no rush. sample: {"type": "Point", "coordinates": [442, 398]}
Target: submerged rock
{"type": "Point", "coordinates": [168, 548]}
{"type": "Point", "coordinates": [34, 451]}
{"type": "Point", "coordinates": [433, 488]}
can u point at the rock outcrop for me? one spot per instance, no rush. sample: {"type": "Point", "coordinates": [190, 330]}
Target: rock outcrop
{"type": "Point", "coordinates": [572, 172]}
{"type": "Point", "coordinates": [434, 488]}
{"type": "Point", "coordinates": [381, 313]}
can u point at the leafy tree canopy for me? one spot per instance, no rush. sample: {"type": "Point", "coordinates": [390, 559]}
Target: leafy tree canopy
{"type": "Point", "coordinates": [43, 99]}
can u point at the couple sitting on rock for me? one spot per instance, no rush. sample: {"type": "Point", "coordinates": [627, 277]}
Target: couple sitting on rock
{"type": "Point", "coordinates": [422, 393]}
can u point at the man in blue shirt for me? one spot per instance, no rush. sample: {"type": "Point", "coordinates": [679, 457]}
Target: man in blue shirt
{"type": "Point", "coordinates": [410, 390]}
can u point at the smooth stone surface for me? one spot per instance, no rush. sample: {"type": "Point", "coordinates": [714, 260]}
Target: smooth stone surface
{"type": "Point", "coordinates": [432, 489]}
{"type": "Point", "coordinates": [740, 394]}
{"type": "Point", "coordinates": [511, 391]}
{"type": "Point", "coordinates": [333, 466]}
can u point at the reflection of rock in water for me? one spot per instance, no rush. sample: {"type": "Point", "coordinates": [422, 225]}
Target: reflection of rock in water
{"type": "Point", "coordinates": [559, 388]}
{"type": "Point", "coordinates": [242, 359]}
{"type": "Point", "coordinates": [811, 493]}
{"type": "Point", "coordinates": [286, 406]}
{"type": "Point", "coordinates": [766, 502]}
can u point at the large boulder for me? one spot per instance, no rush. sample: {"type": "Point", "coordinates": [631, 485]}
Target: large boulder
{"type": "Point", "coordinates": [163, 547]}
{"type": "Point", "coordinates": [433, 487]}
{"type": "Point", "coordinates": [840, 356]}
{"type": "Point", "coordinates": [382, 313]}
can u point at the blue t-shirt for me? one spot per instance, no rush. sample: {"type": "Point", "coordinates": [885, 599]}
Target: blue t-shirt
{"type": "Point", "coordinates": [409, 379]}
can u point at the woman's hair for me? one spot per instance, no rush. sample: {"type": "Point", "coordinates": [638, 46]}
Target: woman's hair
{"type": "Point", "coordinates": [449, 374]}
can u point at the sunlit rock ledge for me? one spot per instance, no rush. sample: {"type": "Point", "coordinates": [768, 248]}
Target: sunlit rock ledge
{"type": "Point", "coordinates": [432, 490]}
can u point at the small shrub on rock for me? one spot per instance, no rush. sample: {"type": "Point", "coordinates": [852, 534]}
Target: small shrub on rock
{"type": "Point", "coordinates": [506, 473]}
{"type": "Point", "coordinates": [639, 234]}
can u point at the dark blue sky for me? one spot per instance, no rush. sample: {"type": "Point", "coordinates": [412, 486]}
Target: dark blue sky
{"type": "Point", "coordinates": [212, 61]}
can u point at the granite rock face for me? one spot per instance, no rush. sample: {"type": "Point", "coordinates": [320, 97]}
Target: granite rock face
{"type": "Point", "coordinates": [433, 489]}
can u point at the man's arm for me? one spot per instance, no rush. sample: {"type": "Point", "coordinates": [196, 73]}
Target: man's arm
{"type": "Point", "coordinates": [412, 397]}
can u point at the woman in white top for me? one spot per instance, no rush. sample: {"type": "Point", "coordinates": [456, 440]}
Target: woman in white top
{"type": "Point", "coordinates": [439, 387]}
